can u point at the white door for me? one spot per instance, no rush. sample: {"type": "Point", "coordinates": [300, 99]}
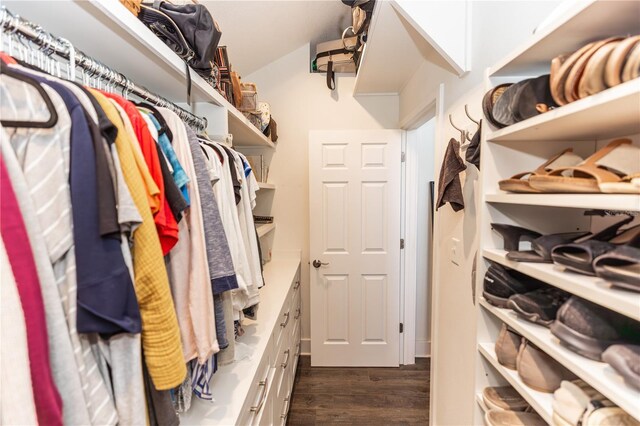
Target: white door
{"type": "Point", "coordinates": [354, 190]}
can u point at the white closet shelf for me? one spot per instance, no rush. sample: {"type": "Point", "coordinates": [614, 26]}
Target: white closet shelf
{"type": "Point", "coordinates": [265, 185]}
{"type": "Point", "coordinates": [481, 403]}
{"type": "Point", "coordinates": [540, 401]}
{"type": "Point", "coordinates": [106, 30]}
{"type": "Point", "coordinates": [590, 288]}
{"type": "Point", "coordinates": [620, 202]}
{"type": "Point", "coordinates": [389, 29]}
{"type": "Point", "coordinates": [231, 383]}
{"type": "Point", "coordinates": [264, 229]}
{"type": "Point", "coordinates": [586, 21]}
{"type": "Point", "coordinates": [608, 114]}
{"type": "Point", "coordinates": [598, 374]}
{"type": "Point", "coordinates": [244, 133]}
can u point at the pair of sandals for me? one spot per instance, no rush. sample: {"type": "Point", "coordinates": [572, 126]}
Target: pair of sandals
{"type": "Point", "coordinates": [612, 254]}
{"type": "Point", "coordinates": [614, 169]}
{"type": "Point", "coordinates": [594, 68]}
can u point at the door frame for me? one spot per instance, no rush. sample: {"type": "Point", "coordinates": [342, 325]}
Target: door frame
{"type": "Point", "coordinates": [409, 228]}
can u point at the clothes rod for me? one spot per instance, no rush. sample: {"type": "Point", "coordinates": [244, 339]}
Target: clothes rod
{"type": "Point", "coordinates": [49, 44]}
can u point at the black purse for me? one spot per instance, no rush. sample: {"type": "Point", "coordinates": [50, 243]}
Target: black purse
{"type": "Point", "coordinates": [189, 30]}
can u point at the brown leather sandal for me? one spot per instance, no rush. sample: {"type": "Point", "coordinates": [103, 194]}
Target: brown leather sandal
{"type": "Point", "coordinates": [520, 182]}
{"type": "Point", "coordinates": [613, 164]}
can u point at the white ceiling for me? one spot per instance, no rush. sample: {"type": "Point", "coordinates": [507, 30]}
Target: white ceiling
{"type": "Point", "coordinates": [259, 31]}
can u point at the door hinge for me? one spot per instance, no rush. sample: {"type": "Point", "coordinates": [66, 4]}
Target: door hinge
{"type": "Point", "coordinates": [403, 157]}
{"type": "Point", "coordinates": [401, 328]}
{"type": "Point", "coordinates": [401, 243]}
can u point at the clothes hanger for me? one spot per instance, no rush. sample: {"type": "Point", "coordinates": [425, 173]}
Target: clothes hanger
{"type": "Point", "coordinates": [53, 115]}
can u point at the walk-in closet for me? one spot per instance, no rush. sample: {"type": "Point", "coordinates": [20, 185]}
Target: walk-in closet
{"type": "Point", "coordinates": [316, 212]}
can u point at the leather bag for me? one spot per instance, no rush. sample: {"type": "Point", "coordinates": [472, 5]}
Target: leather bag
{"type": "Point", "coordinates": [189, 30]}
{"type": "Point", "coordinates": [336, 56]}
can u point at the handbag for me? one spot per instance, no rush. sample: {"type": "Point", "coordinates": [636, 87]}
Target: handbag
{"type": "Point", "coordinates": [189, 30]}
{"type": "Point", "coordinates": [248, 97]}
{"type": "Point", "coordinates": [337, 56]}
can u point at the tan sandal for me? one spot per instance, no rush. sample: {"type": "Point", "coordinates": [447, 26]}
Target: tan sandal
{"type": "Point", "coordinates": [518, 183]}
{"type": "Point", "coordinates": [612, 167]}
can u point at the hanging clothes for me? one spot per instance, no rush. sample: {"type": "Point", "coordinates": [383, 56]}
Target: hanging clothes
{"type": "Point", "coordinates": [48, 403]}
{"type": "Point", "coordinates": [47, 190]}
{"type": "Point", "coordinates": [160, 334]}
{"type": "Point", "coordinates": [189, 261]}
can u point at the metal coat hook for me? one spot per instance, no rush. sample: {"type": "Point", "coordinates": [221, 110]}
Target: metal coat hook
{"type": "Point", "coordinates": [464, 135]}
{"type": "Point", "coordinates": [466, 111]}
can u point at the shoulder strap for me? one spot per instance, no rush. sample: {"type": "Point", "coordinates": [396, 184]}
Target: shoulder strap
{"type": "Point", "coordinates": [331, 82]}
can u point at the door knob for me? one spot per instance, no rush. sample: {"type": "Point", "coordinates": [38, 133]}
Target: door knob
{"type": "Point", "coordinates": [316, 264]}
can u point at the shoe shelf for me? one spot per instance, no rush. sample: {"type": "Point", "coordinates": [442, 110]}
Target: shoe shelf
{"type": "Point", "coordinates": [612, 113]}
{"type": "Point", "coordinates": [598, 374]}
{"type": "Point", "coordinates": [265, 228]}
{"type": "Point", "coordinates": [582, 22]}
{"type": "Point", "coordinates": [590, 288]}
{"type": "Point", "coordinates": [481, 403]}
{"type": "Point", "coordinates": [617, 202]}
{"type": "Point", "coordinates": [265, 185]}
{"type": "Point", "coordinates": [106, 30]}
{"type": "Point", "coordinates": [540, 401]}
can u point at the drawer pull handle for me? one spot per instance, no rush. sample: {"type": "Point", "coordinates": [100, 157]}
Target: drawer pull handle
{"type": "Point", "coordinates": [286, 360]}
{"type": "Point", "coordinates": [285, 414]}
{"type": "Point", "coordinates": [263, 397]}
{"type": "Point", "coordinates": [298, 312]}
{"type": "Point", "coordinates": [298, 349]}
{"type": "Point", "coordinates": [286, 321]}
{"type": "Point", "coordinates": [296, 285]}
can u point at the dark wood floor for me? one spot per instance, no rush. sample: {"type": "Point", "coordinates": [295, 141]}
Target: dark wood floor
{"type": "Point", "coordinates": [374, 396]}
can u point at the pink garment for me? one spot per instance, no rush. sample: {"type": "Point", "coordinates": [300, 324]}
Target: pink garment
{"type": "Point", "coordinates": [14, 234]}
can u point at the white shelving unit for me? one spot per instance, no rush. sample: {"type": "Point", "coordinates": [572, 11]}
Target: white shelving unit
{"type": "Point", "coordinates": [119, 39]}
{"type": "Point", "coordinates": [584, 119]}
{"type": "Point", "coordinates": [598, 374]}
{"type": "Point", "coordinates": [540, 401]}
{"type": "Point", "coordinates": [590, 288]}
{"type": "Point", "coordinates": [393, 26]}
{"type": "Point", "coordinates": [623, 202]}
{"type": "Point", "coordinates": [585, 125]}
{"type": "Point", "coordinates": [265, 185]}
{"type": "Point", "coordinates": [265, 229]}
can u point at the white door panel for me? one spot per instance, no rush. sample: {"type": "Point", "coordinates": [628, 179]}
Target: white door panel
{"type": "Point", "coordinates": [354, 185]}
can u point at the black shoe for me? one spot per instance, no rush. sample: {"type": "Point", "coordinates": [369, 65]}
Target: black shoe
{"type": "Point", "coordinates": [500, 283]}
{"type": "Point", "coordinates": [589, 329]}
{"type": "Point", "coordinates": [539, 306]}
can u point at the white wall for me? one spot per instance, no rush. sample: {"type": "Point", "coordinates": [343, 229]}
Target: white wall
{"type": "Point", "coordinates": [300, 101]}
{"type": "Point", "coordinates": [497, 28]}
{"type": "Point", "coordinates": [425, 148]}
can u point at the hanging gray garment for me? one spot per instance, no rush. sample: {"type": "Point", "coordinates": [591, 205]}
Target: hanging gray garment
{"type": "Point", "coordinates": [63, 363]}
{"type": "Point", "coordinates": [221, 268]}
{"type": "Point", "coordinates": [227, 355]}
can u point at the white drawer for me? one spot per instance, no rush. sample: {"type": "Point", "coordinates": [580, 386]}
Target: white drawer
{"type": "Point", "coordinates": [296, 347]}
{"type": "Point", "coordinates": [256, 401]}
{"type": "Point", "coordinates": [283, 402]}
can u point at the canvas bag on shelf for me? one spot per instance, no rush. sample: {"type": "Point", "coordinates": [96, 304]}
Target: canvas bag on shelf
{"type": "Point", "coordinates": [336, 56]}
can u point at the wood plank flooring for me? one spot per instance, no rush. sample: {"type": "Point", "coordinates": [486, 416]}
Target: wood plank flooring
{"type": "Point", "coordinates": [373, 396]}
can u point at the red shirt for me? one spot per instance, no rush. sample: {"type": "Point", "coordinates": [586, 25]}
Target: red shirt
{"type": "Point", "coordinates": [166, 224]}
